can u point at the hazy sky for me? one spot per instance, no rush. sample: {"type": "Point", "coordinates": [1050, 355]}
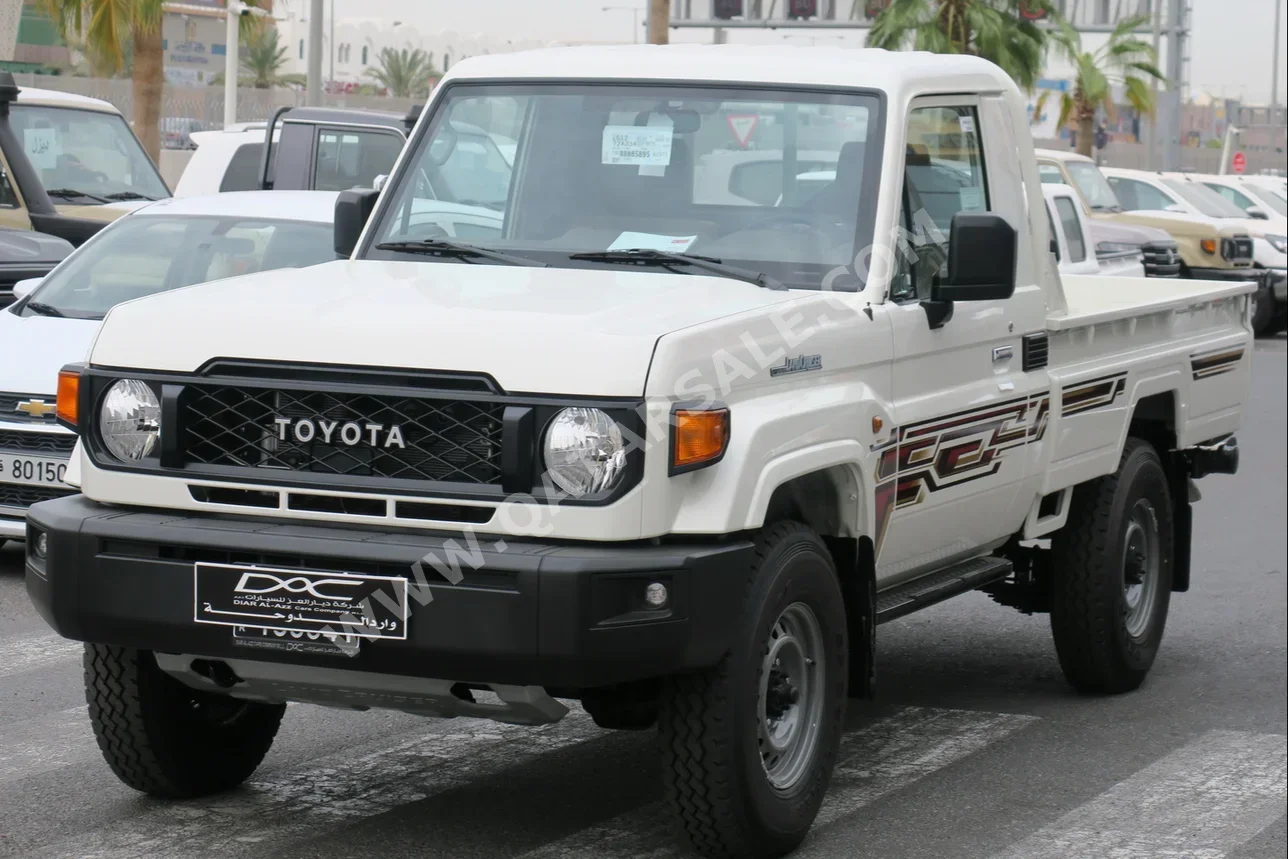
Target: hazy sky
{"type": "Point", "coordinates": [1230, 51]}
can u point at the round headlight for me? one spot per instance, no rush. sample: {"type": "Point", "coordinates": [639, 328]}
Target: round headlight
{"type": "Point", "coordinates": [585, 452]}
{"type": "Point", "coordinates": [130, 420]}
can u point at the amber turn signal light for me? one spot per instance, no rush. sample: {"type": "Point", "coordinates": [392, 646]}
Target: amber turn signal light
{"type": "Point", "coordinates": [68, 409]}
{"type": "Point", "coordinates": [699, 437]}
{"type": "Point", "coordinates": [1208, 245]}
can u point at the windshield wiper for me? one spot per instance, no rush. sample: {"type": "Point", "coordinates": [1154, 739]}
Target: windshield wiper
{"type": "Point", "coordinates": [41, 309]}
{"type": "Point", "coordinates": [651, 257]}
{"type": "Point", "coordinates": [68, 193]}
{"type": "Point", "coordinates": [439, 247]}
{"type": "Point", "coordinates": [129, 195]}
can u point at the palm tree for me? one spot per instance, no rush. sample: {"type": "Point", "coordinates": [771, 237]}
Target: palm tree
{"type": "Point", "coordinates": [1124, 60]}
{"type": "Point", "coordinates": [405, 73]}
{"type": "Point", "coordinates": [263, 59]}
{"type": "Point", "coordinates": [109, 28]}
{"type": "Point", "coordinates": [1003, 31]}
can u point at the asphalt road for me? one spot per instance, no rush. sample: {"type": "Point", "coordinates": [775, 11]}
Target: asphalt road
{"type": "Point", "coordinates": [975, 748]}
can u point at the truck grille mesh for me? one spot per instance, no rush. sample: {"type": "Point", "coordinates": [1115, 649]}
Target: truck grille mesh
{"type": "Point", "coordinates": [25, 496]}
{"type": "Point", "coordinates": [36, 442]}
{"type": "Point", "coordinates": [445, 440]}
{"type": "Point", "coordinates": [1161, 259]}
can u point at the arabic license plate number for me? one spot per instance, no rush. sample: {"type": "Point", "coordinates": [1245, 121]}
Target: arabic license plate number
{"type": "Point", "coordinates": [304, 601]}
{"type": "Point", "coordinates": [32, 470]}
{"type": "Point", "coordinates": [310, 643]}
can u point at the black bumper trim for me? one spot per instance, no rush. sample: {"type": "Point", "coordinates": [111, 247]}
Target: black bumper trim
{"type": "Point", "coordinates": [543, 614]}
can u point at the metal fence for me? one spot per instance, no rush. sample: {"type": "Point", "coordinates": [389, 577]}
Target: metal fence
{"type": "Point", "coordinates": [1194, 159]}
{"type": "Point", "coordinates": [206, 103]}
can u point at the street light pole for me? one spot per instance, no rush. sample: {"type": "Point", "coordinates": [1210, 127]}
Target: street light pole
{"type": "Point", "coordinates": [232, 62]}
{"type": "Point", "coordinates": [313, 94]}
{"type": "Point", "coordinates": [331, 73]}
{"type": "Point", "coordinates": [1274, 57]}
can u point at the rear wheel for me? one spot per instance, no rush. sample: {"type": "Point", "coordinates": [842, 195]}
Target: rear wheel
{"type": "Point", "coordinates": [1112, 575]}
{"type": "Point", "coordinates": [748, 746]}
{"type": "Point", "coordinates": [166, 739]}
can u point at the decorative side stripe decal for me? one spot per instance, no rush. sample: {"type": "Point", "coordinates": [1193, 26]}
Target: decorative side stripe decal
{"type": "Point", "coordinates": [1215, 363]}
{"type": "Point", "coordinates": [944, 452]}
{"type": "Point", "coordinates": [1085, 396]}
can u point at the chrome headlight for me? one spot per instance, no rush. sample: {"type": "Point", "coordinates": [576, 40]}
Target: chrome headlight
{"type": "Point", "coordinates": [585, 452]}
{"type": "Point", "coordinates": [130, 420]}
{"type": "Point", "coordinates": [1279, 243]}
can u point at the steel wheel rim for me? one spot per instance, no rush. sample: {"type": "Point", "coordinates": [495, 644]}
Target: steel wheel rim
{"type": "Point", "coordinates": [1140, 565]}
{"type": "Point", "coordinates": [789, 706]}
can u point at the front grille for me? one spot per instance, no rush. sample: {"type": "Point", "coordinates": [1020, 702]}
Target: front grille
{"type": "Point", "coordinates": [1237, 250]}
{"type": "Point", "coordinates": [1161, 259]}
{"type": "Point", "coordinates": [445, 439]}
{"type": "Point", "coordinates": [37, 442]}
{"type": "Point", "coordinates": [9, 407]}
{"type": "Point", "coordinates": [25, 496]}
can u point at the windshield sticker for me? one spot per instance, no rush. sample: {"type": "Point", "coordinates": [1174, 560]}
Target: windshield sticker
{"type": "Point", "coordinates": [652, 242]}
{"type": "Point", "coordinates": [966, 124]}
{"type": "Point", "coordinates": [646, 146]}
{"type": "Point", "coordinates": [972, 199]}
{"type": "Point", "coordinates": [42, 147]}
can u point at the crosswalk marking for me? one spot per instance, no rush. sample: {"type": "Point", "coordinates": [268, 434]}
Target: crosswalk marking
{"type": "Point", "coordinates": [38, 651]}
{"type": "Point", "coordinates": [1199, 802]}
{"type": "Point", "coordinates": [45, 744]}
{"type": "Point", "coordinates": [874, 761]}
{"type": "Point", "coordinates": [335, 791]}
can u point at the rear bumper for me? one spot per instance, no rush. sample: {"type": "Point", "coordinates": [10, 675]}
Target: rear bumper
{"type": "Point", "coordinates": [563, 616]}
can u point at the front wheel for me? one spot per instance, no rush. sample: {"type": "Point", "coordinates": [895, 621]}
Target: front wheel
{"type": "Point", "coordinates": [1263, 310]}
{"type": "Point", "coordinates": [1112, 575]}
{"type": "Point", "coordinates": [748, 746]}
{"type": "Point", "coordinates": [165, 739]}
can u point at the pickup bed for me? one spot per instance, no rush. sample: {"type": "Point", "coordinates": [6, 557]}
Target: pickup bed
{"type": "Point", "coordinates": [670, 458]}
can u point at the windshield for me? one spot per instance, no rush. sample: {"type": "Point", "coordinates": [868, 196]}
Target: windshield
{"type": "Point", "coordinates": [1204, 199]}
{"type": "Point", "coordinates": [92, 153]}
{"type": "Point", "coordinates": [770, 181]}
{"type": "Point", "coordinates": [1091, 182]}
{"type": "Point", "coordinates": [1269, 198]}
{"type": "Point", "coordinates": [142, 255]}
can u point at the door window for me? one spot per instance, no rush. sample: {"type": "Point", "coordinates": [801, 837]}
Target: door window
{"type": "Point", "coordinates": [943, 175]}
{"type": "Point", "coordinates": [353, 159]}
{"type": "Point", "coordinates": [1072, 229]}
{"type": "Point", "coordinates": [1233, 195]}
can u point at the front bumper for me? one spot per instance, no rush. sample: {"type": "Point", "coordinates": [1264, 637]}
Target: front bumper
{"type": "Point", "coordinates": [1253, 274]}
{"type": "Point", "coordinates": [1279, 283]}
{"type": "Point", "coordinates": [560, 616]}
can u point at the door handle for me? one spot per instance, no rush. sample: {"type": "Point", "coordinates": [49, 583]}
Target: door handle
{"type": "Point", "coordinates": [1002, 354]}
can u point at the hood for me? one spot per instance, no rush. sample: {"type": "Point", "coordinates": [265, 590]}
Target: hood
{"type": "Point", "coordinates": [1126, 234]}
{"type": "Point", "coordinates": [548, 330]}
{"type": "Point", "coordinates": [107, 212]}
{"type": "Point", "coordinates": [1180, 223]}
{"type": "Point", "coordinates": [34, 348]}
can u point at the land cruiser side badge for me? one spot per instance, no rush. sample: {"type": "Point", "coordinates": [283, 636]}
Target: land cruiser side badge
{"type": "Point", "coordinates": [799, 364]}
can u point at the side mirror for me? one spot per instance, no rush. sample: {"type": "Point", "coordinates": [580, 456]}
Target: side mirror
{"type": "Point", "coordinates": [981, 259]}
{"type": "Point", "coordinates": [352, 210]}
{"type": "Point", "coordinates": [1055, 248]}
{"type": "Point", "coordinates": [26, 287]}
{"type": "Point", "coordinates": [1258, 213]}
{"type": "Point", "coordinates": [379, 183]}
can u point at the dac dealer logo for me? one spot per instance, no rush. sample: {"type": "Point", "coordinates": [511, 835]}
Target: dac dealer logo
{"type": "Point", "coordinates": [295, 585]}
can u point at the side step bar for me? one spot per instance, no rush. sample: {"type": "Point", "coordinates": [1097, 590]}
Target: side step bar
{"type": "Point", "coordinates": [905, 598]}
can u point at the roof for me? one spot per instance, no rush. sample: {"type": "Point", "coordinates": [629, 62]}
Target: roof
{"type": "Point", "coordinates": [31, 95]}
{"type": "Point", "coordinates": [1062, 155]}
{"type": "Point", "coordinates": [891, 71]}
{"type": "Point", "coordinates": [351, 116]}
{"type": "Point", "coordinates": [314, 206]}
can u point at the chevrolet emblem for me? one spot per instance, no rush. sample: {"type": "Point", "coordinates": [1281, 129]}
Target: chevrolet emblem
{"type": "Point", "coordinates": [36, 408]}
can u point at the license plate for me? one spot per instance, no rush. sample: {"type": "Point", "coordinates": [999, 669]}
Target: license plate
{"type": "Point", "coordinates": [285, 600]}
{"type": "Point", "coordinates": [32, 470]}
{"type": "Point", "coordinates": [310, 643]}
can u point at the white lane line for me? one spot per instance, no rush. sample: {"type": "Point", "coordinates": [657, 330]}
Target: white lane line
{"type": "Point", "coordinates": [338, 790]}
{"type": "Point", "coordinates": [37, 651]}
{"type": "Point", "coordinates": [45, 744]}
{"type": "Point", "coordinates": [874, 761]}
{"type": "Point", "coordinates": [1202, 801]}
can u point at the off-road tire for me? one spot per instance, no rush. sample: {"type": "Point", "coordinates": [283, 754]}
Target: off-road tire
{"type": "Point", "coordinates": [1089, 609]}
{"type": "Point", "coordinates": [165, 739]}
{"type": "Point", "coordinates": [715, 781]}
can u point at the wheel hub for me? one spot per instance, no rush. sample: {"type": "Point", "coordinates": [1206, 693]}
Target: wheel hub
{"type": "Point", "coordinates": [1140, 564]}
{"type": "Point", "coordinates": [790, 701]}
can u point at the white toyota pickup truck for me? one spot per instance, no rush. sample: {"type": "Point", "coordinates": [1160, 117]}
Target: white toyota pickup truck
{"type": "Point", "coordinates": [672, 459]}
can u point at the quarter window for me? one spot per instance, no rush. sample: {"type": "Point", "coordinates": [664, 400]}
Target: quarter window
{"type": "Point", "coordinates": [1072, 229]}
{"type": "Point", "coordinates": [353, 159]}
{"type": "Point", "coordinates": [1139, 196]}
